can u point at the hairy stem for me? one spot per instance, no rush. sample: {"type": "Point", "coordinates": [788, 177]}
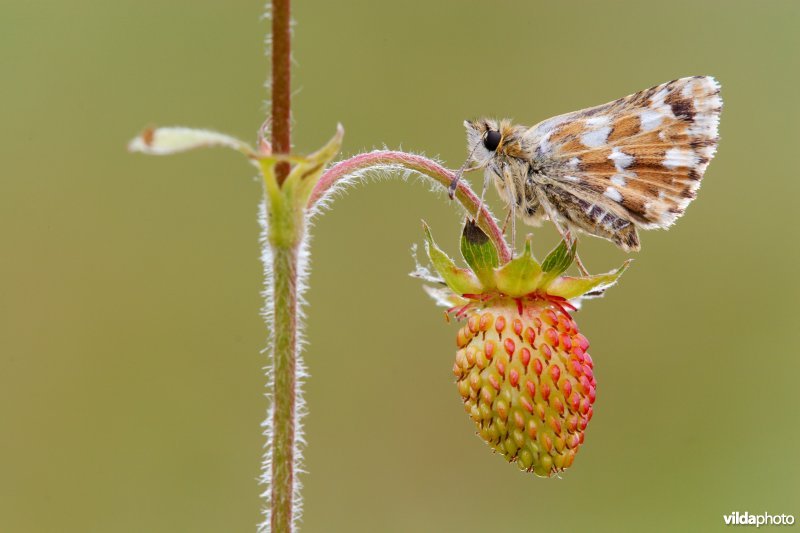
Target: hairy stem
{"type": "Point", "coordinates": [285, 226]}
{"type": "Point", "coordinates": [383, 159]}
{"type": "Point", "coordinates": [284, 363]}
{"type": "Point", "coordinates": [284, 236]}
{"type": "Point", "coordinates": [281, 83]}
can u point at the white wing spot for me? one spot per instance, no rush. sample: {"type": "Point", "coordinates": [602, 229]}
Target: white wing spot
{"type": "Point", "coordinates": [602, 120]}
{"type": "Point", "coordinates": [688, 88]}
{"type": "Point", "coordinates": [705, 104]}
{"type": "Point", "coordinates": [667, 218]}
{"type": "Point", "coordinates": [657, 103]}
{"type": "Point", "coordinates": [678, 157]}
{"type": "Point", "coordinates": [650, 119]}
{"type": "Point", "coordinates": [574, 163]}
{"type": "Point", "coordinates": [704, 125]}
{"type": "Point", "coordinates": [596, 138]}
{"type": "Point", "coordinates": [618, 180]}
{"type": "Point", "coordinates": [621, 159]}
{"type": "Point", "coordinates": [544, 143]}
{"type": "Point", "coordinates": [613, 193]}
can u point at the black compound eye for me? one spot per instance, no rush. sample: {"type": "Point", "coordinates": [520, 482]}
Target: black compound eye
{"type": "Point", "coordinates": [492, 140]}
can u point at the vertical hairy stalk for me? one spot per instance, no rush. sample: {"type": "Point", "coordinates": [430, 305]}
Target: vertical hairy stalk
{"type": "Point", "coordinates": [284, 233]}
{"type": "Point", "coordinates": [284, 222]}
{"type": "Point", "coordinates": [284, 364]}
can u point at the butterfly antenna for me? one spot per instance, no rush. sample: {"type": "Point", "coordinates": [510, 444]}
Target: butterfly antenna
{"type": "Point", "coordinates": [483, 194]}
{"type": "Point", "coordinates": [451, 192]}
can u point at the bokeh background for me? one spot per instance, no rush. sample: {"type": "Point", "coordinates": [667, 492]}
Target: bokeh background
{"type": "Point", "coordinates": [131, 387]}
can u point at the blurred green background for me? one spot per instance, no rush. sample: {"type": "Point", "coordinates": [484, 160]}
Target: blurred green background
{"type": "Point", "coordinates": [131, 386]}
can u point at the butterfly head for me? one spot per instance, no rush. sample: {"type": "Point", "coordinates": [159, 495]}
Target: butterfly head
{"type": "Point", "coordinates": [489, 138]}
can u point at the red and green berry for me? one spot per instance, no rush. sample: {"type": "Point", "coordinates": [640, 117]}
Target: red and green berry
{"type": "Point", "coordinates": [522, 368]}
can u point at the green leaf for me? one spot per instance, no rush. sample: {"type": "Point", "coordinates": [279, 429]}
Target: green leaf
{"type": "Point", "coordinates": [558, 260]}
{"type": "Point", "coordinates": [520, 276]}
{"type": "Point", "coordinates": [305, 175]}
{"type": "Point", "coordinates": [460, 280]}
{"type": "Point", "coordinates": [167, 141]}
{"type": "Point", "coordinates": [569, 288]}
{"type": "Point", "coordinates": [287, 201]}
{"type": "Point", "coordinates": [479, 252]}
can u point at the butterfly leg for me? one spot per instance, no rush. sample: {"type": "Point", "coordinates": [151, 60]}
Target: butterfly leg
{"type": "Point", "coordinates": [505, 222]}
{"type": "Point", "coordinates": [578, 261]}
{"type": "Point", "coordinates": [512, 217]}
{"type": "Point", "coordinates": [580, 266]}
{"type": "Point", "coordinates": [513, 203]}
{"type": "Point", "coordinates": [513, 214]}
{"type": "Point", "coordinates": [565, 233]}
{"type": "Point", "coordinates": [483, 194]}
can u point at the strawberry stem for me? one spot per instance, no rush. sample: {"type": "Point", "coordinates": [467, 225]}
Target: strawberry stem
{"type": "Point", "coordinates": [389, 160]}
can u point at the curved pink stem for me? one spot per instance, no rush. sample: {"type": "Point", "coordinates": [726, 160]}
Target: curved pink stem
{"type": "Point", "coordinates": [425, 166]}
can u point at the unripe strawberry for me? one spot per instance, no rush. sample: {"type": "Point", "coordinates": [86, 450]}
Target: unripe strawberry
{"type": "Point", "coordinates": [522, 367]}
{"type": "Point", "coordinates": [526, 380]}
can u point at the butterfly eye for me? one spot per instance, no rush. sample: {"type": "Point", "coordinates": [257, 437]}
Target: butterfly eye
{"type": "Point", "coordinates": [492, 140]}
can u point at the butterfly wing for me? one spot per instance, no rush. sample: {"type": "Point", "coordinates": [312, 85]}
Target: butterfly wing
{"type": "Point", "coordinates": [640, 157]}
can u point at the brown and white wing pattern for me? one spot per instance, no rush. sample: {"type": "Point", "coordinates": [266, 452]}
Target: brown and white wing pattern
{"type": "Point", "coordinates": [639, 158]}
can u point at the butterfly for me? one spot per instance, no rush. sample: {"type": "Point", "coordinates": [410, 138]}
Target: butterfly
{"type": "Point", "coordinates": [634, 163]}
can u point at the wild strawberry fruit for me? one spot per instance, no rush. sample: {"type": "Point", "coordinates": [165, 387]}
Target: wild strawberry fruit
{"type": "Point", "coordinates": [522, 367]}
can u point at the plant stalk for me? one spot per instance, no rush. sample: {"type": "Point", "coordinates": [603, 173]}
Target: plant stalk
{"type": "Point", "coordinates": [281, 83]}
{"type": "Point", "coordinates": [284, 363]}
{"type": "Point", "coordinates": [284, 238]}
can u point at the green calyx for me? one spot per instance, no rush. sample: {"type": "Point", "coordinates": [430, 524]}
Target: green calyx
{"type": "Point", "coordinates": [287, 201]}
{"type": "Point", "coordinates": [519, 277]}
